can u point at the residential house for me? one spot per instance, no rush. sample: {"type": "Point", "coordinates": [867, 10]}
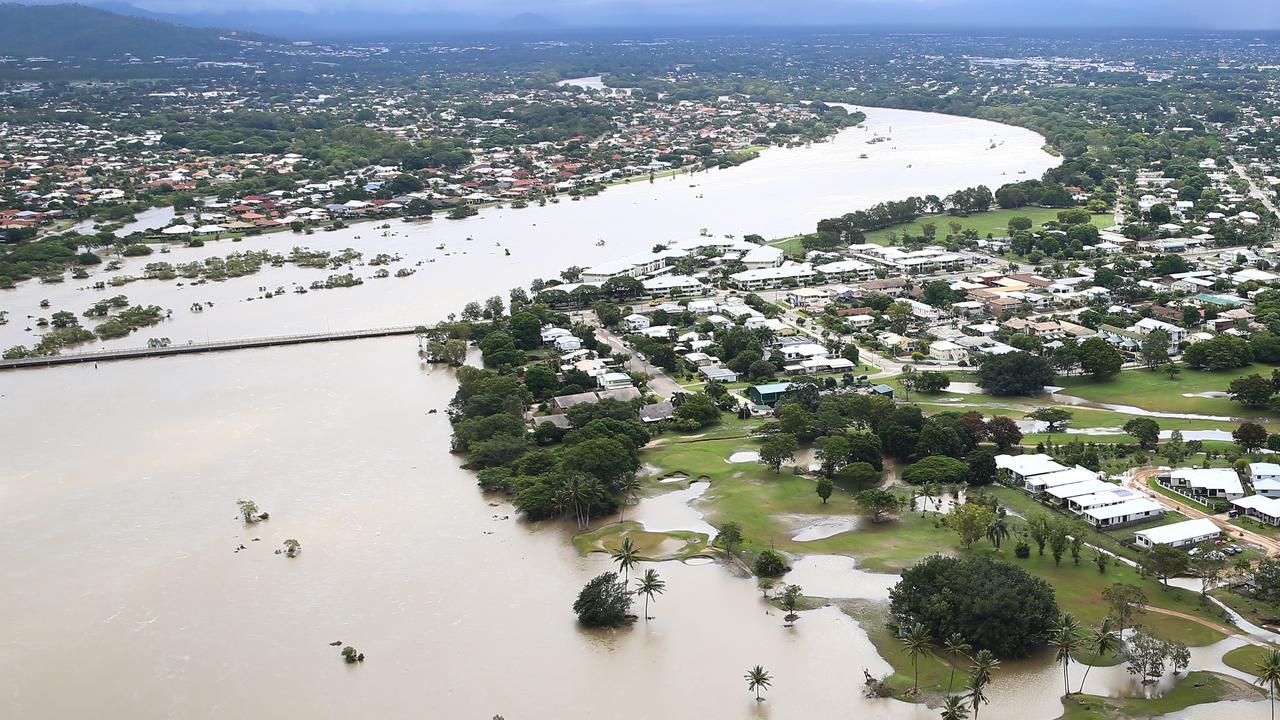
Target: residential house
{"type": "Point", "coordinates": [1179, 534]}
{"type": "Point", "coordinates": [1204, 483]}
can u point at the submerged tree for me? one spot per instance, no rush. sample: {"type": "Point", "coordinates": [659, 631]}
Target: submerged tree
{"type": "Point", "coordinates": [249, 510]}
{"type": "Point", "coordinates": [1102, 642]}
{"type": "Point", "coordinates": [956, 647]}
{"type": "Point", "coordinates": [648, 586]}
{"type": "Point", "coordinates": [984, 664]}
{"type": "Point", "coordinates": [603, 602]}
{"type": "Point", "coordinates": [790, 598]}
{"type": "Point", "coordinates": [758, 679]}
{"type": "Point", "coordinates": [292, 547]}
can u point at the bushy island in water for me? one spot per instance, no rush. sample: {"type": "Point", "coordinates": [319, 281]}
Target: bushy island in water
{"type": "Point", "coordinates": [988, 575]}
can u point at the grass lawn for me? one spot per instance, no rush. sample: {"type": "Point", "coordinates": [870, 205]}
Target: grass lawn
{"type": "Point", "coordinates": [1245, 658]}
{"type": "Point", "coordinates": [730, 426]}
{"type": "Point", "coordinates": [1155, 391]}
{"type": "Point", "coordinates": [675, 545]}
{"type": "Point", "coordinates": [1258, 527]}
{"type": "Point", "coordinates": [994, 222]}
{"type": "Point", "coordinates": [790, 246]}
{"type": "Point", "coordinates": [1196, 688]}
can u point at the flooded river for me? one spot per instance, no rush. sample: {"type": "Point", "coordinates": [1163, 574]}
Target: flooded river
{"type": "Point", "coordinates": [121, 542]}
{"type": "Point", "coordinates": [783, 192]}
{"type": "Point", "coordinates": [128, 573]}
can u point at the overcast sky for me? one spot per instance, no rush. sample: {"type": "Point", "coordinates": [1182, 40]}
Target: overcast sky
{"type": "Point", "coordinates": [1205, 14]}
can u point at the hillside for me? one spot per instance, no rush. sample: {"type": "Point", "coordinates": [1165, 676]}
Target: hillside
{"type": "Point", "coordinates": [78, 31]}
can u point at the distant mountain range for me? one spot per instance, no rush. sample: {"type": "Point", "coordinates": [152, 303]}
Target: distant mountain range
{"type": "Point", "coordinates": [71, 30]}
{"type": "Point", "coordinates": [321, 25]}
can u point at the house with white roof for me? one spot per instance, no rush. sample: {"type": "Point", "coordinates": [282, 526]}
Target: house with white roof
{"type": "Point", "coordinates": [1113, 496]}
{"type": "Point", "coordinates": [1085, 487]}
{"type": "Point", "coordinates": [762, 256]}
{"type": "Point", "coordinates": [1022, 468]}
{"type": "Point", "coordinates": [1129, 511]}
{"type": "Point", "coordinates": [1259, 507]}
{"type": "Point", "coordinates": [1204, 483]}
{"type": "Point", "coordinates": [1180, 534]}
{"type": "Point", "coordinates": [1067, 476]}
{"type": "Point", "coordinates": [674, 286]}
{"type": "Point", "coordinates": [771, 277]}
{"type": "Point", "coordinates": [636, 322]}
{"type": "Point", "coordinates": [1176, 334]}
{"type": "Point", "coordinates": [804, 351]}
{"type": "Point", "coordinates": [1265, 478]}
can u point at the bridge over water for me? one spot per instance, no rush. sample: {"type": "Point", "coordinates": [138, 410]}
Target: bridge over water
{"type": "Point", "coordinates": [212, 346]}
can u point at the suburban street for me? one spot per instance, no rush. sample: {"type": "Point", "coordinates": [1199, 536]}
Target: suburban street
{"type": "Point", "coordinates": [1254, 190]}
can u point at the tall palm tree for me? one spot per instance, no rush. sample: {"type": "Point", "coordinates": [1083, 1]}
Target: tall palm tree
{"type": "Point", "coordinates": [917, 642]}
{"type": "Point", "coordinates": [648, 586]}
{"type": "Point", "coordinates": [629, 486]}
{"type": "Point", "coordinates": [627, 557]}
{"type": "Point", "coordinates": [1103, 641]}
{"type": "Point", "coordinates": [984, 663]}
{"type": "Point", "coordinates": [1268, 672]}
{"type": "Point", "coordinates": [956, 647]}
{"type": "Point", "coordinates": [1065, 639]}
{"type": "Point", "coordinates": [998, 531]}
{"type": "Point", "coordinates": [758, 679]}
{"type": "Point", "coordinates": [954, 709]}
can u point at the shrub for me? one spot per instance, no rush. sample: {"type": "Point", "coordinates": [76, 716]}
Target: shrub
{"type": "Point", "coordinates": [771, 563]}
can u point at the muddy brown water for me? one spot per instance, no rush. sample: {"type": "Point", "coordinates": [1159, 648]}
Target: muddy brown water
{"type": "Point", "coordinates": [121, 566]}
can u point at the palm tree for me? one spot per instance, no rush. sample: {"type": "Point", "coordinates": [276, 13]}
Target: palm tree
{"type": "Point", "coordinates": [984, 663]}
{"type": "Point", "coordinates": [998, 531]}
{"type": "Point", "coordinates": [758, 678]}
{"type": "Point", "coordinates": [1103, 641]}
{"type": "Point", "coordinates": [1268, 672]}
{"type": "Point", "coordinates": [917, 642]}
{"type": "Point", "coordinates": [627, 557]}
{"type": "Point", "coordinates": [628, 486]}
{"type": "Point", "coordinates": [928, 493]}
{"type": "Point", "coordinates": [579, 492]}
{"type": "Point", "coordinates": [648, 586]}
{"type": "Point", "coordinates": [955, 647]}
{"type": "Point", "coordinates": [954, 709]}
{"type": "Point", "coordinates": [1066, 638]}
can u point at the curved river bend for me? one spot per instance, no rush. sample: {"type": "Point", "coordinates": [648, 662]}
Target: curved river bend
{"type": "Point", "coordinates": [783, 192]}
{"type": "Point", "coordinates": [122, 547]}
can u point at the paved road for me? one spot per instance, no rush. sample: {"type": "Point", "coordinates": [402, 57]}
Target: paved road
{"type": "Point", "coordinates": [659, 382]}
{"type": "Point", "coordinates": [1254, 190]}
{"type": "Point", "coordinates": [1137, 480]}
